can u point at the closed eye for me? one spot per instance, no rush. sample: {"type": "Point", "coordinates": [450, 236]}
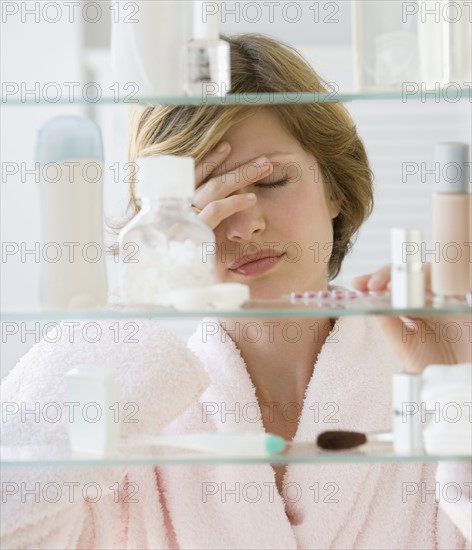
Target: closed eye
{"type": "Point", "coordinates": [279, 183]}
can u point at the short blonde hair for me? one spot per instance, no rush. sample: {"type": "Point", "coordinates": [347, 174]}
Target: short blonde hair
{"type": "Point", "coordinates": [260, 64]}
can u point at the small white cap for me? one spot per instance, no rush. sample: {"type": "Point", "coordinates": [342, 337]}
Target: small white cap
{"type": "Point", "coordinates": [205, 20]}
{"type": "Point", "coordinates": [405, 245]}
{"type": "Point", "coordinates": [165, 177]}
{"type": "Point", "coordinates": [454, 167]}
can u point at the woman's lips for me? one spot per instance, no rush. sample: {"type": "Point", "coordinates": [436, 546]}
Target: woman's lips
{"type": "Point", "coordinates": [257, 266]}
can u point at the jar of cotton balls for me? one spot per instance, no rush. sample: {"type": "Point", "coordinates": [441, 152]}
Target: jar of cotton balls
{"type": "Point", "coordinates": [166, 246]}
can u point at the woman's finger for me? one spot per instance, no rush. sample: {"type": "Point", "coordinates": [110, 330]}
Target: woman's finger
{"type": "Point", "coordinates": [211, 162]}
{"type": "Point", "coordinates": [220, 187]}
{"type": "Point", "coordinates": [215, 212]}
{"type": "Point", "coordinates": [380, 279]}
{"type": "Point", "coordinates": [373, 281]}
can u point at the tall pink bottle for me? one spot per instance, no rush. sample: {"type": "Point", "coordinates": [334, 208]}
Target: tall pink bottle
{"type": "Point", "coordinates": [451, 233]}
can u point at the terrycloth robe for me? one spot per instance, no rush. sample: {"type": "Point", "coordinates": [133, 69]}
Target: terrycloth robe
{"type": "Point", "coordinates": [339, 506]}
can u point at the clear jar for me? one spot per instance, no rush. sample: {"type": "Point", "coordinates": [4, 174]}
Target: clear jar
{"type": "Point", "coordinates": [166, 246]}
{"type": "Point", "coordinates": [385, 46]}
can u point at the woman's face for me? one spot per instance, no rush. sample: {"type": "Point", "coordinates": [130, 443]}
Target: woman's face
{"type": "Point", "coordinates": [292, 223]}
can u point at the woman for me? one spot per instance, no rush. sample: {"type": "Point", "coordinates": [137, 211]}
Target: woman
{"type": "Point", "coordinates": [277, 175]}
{"type": "Point", "coordinates": [277, 184]}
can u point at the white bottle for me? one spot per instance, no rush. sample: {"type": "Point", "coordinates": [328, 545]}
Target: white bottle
{"type": "Point", "coordinates": [165, 247]}
{"type": "Point", "coordinates": [73, 271]}
{"type": "Point", "coordinates": [207, 60]}
{"type": "Point", "coordinates": [147, 48]}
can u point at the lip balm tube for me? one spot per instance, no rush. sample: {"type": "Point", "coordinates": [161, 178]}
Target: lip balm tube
{"type": "Point", "coordinates": [407, 425]}
{"type": "Point", "coordinates": [408, 279]}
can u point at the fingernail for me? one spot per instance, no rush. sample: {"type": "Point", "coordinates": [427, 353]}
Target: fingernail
{"type": "Point", "coordinates": [374, 281]}
{"type": "Point", "coordinates": [221, 147]}
{"type": "Point", "coordinates": [262, 161]}
{"type": "Point", "coordinates": [250, 196]}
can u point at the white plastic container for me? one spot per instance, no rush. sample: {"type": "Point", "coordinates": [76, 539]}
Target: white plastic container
{"type": "Point", "coordinates": [147, 48]}
{"type": "Point", "coordinates": [73, 270]}
{"type": "Point", "coordinates": [165, 247]}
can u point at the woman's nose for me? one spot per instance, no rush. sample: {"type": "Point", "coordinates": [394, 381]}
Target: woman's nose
{"type": "Point", "coordinates": [243, 225]}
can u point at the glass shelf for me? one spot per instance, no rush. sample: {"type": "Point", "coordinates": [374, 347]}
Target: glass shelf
{"type": "Point", "coordinates": [366, 305]}
{"type": "Point", "coordinates": [417, 91]}
{"type": "Point", "coordinates": [300, 453]}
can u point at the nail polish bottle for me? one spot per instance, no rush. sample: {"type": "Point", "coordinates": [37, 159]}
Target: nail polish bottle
{"type": "Point", "coordinates": [451, 222]}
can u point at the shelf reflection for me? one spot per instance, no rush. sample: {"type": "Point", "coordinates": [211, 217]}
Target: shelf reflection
{"type": "Point", "coordinates": [368, 304]}
{"type": "Point", "coordinates": [300, 453]}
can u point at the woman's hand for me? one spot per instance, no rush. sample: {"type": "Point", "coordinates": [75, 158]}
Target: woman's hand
{"type": "Point", "coordinates": [215, 196]}
{"type": "Point", "coordinates": [422, 341]}
{"type": "Point", "coordinates": [380, 280]}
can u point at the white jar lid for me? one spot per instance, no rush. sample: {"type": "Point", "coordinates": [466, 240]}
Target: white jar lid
{"type": "Point", "coordinates": [165, 176]}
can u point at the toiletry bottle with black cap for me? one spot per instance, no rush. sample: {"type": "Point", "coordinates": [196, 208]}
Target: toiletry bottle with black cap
{"type": "Point", "coordinates": [451, 233]}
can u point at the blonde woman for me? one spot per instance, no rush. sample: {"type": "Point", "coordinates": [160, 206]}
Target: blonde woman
{"type": "Point", "coordinates": [277, 183]}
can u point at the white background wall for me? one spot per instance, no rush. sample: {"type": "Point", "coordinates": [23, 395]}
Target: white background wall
{"type": "Point", "coordinates": [36, 50]}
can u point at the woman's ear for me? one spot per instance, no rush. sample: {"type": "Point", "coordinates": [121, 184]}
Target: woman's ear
{"type": "Point", "coordinates": [334, 208]}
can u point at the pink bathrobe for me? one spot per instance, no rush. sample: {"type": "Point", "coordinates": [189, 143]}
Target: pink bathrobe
{"type": "Point", "coordinates": [338, 506]}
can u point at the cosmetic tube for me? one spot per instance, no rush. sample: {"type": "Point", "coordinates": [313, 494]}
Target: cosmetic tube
{"type": "Point", "coordinates": [407, 275]}
{"type": "Point", "coordinates": [451, 232]}
{"type": "Point", "coordinates": [407, 425]}
{"type": "Point", "coordinates": [96, 431]}
{"type": "Point", "coordinates": [69, 154]}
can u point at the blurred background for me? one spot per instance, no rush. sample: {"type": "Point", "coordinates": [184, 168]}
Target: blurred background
{"type": "Point", "coordinates": [65, 45]}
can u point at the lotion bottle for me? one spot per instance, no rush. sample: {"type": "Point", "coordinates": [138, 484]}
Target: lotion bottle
{"type": "Point", "coordinates": [69, 155]}
{"type": "Point", "coordinates": [451, 222]}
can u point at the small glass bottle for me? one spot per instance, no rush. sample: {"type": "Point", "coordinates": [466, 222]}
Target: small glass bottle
{"type": "Point", "coordinates": [207, 58]}
{"type": "Point", "coordinates": [166, 246]}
